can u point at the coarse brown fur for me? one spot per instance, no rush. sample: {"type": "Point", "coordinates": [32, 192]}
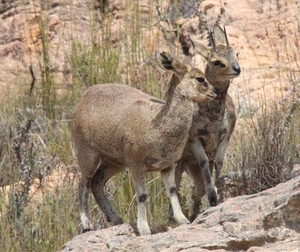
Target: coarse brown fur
{"type": "Point", "coordinates": [213, 121]}
{"type": "Point", "coordinates": [117, 126]}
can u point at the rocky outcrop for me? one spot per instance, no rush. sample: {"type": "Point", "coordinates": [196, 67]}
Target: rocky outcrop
{"type": "Point", "coordinates": [267, 221]}
{"type": "Point", "coordinates": [24, 23]}
{"type": "Point", "coordinates": [29, 27]}
{"type": "Point", "coordinates": [264, 34]}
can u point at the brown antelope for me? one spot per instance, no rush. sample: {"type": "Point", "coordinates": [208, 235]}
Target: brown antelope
{"type": "Point", "coordinates": [117, 126]}
{"type": "Point", "coordinates": [213, 121]}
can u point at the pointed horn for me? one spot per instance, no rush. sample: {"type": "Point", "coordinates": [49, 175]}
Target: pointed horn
{"type": "Point", "coordinates": [227, 43]}
{"type": "Point", "coordinates": [212, 39]}
{"type": "Point", "coordinates": [191, 41]}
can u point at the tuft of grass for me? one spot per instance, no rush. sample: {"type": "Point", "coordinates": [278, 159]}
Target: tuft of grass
{"type": "Point", "coordinates": [43, 225]}
{"type": "Point", "coordinates": [94, 64]}
{"type": "Point", "coordinates": [27, 159]}
{"type": "Point", "coordinates": [265, 147]}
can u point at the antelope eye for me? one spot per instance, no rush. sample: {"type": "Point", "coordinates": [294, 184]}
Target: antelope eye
{"type": "Point", "coordinates": [219, 63]}
{"type": "Point", "coordinates": [237, 55]}
{"type": "Point", "coordinates": [200, 79]}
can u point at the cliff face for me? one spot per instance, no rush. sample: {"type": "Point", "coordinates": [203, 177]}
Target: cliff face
{"type": "Point", "coordinates": [267, 221]}
{"type": "Point", "coordinates": [264, 33]}
{"type": "Point", "coordinates": [24, 23]}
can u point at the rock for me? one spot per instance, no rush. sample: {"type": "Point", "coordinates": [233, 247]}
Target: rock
{"type": "Point", "coordinates": [261, 32]}
{"type": "Point", "coordinates": [266, 221]}
{"type": "Point", "coordinates": [295, 171]}
{"type": "Point", "coordinates": [230, 185]}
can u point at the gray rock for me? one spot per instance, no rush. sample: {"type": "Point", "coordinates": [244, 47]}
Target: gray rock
{"type": "Point", "coordinates": [266, 221]}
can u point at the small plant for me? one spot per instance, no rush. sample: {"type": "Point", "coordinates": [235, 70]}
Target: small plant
{"type": "Point", "coordinates": [94, 64]}
{"type": "Point", "coordinates": [29, 159]}
{"type": "Point", "coordinates": [266, 147]}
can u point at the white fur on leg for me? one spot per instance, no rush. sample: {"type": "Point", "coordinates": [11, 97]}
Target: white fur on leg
{"type": "Point", "coordinates": [168, 177]}
{"type": "Point", "coordinates": [142, 223]}
{"type": "Point", "coordinates": [84, 211]}
{"type": "Point", "coordinates": [87, 225]}
{"type": "Point", "coordinates": [178, 215]}
{"type": "Point", "coordinates": [141, 192]}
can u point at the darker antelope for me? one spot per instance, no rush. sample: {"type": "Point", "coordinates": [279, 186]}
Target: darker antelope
{"type": "Point", "coordinates": [213, 121]}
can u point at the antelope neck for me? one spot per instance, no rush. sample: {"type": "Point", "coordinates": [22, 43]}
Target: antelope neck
{"type": "Point", "coordinates": [178, 108]}
{"type": "Point", "coordinates": [215, 108]}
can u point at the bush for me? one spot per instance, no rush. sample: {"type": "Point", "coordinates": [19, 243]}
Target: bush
{"type": "Point", "coordinates": [264, 148]}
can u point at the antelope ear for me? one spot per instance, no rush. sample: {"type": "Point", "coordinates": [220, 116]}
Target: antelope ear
{"type": "Point", "coordinates": [167, 62]}
{"type": "Point", "coordinates": [219, 35]}
{"type": "Point", "coordinates": [203, 50]}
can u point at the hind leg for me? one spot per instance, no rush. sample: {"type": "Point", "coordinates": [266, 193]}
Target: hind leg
{"type": "Point", "coordinates": [83, 203]}
{"type": "Point", "coordinates": [103, 173]}
{"type": "Point", "coordinates": [204, 163]}
{"type": "Point", "coordinates": [219, 158]}
{"type": "Point", "coordinates": [194, 171]}
{"type": "Point", "coordinates": [88, 161]}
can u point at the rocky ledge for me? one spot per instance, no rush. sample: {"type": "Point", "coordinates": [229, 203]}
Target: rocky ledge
{"type": "Point", "coordinates": [266, 221]}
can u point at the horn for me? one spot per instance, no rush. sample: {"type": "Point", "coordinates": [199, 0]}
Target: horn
{"type": "Point", "coordinates": [227, 43]}
{"type": "Point", "coordinates": [212, 39]}
{"type": "Point", "coordinates": [191, 41]}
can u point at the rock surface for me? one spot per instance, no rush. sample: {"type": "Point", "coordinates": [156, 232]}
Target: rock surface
{"type": "Point", "coordinates": [264, 33]}
{"type": "Point", "coordinates": [267, 221]}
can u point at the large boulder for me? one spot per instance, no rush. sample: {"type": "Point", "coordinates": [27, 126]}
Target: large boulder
{"type": "Point", "coordinates": [266, 221]}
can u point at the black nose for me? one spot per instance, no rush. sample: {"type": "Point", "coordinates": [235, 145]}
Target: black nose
{"type": "Point", "coordinates": [236, 68]}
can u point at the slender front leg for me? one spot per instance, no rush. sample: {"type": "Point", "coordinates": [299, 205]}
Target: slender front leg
{"type": "Point", "coordinates": [203, 161]}
{"type": "Point", "coordinates": [168, 178]}
{"type": "Point", "coordinates": [194, 171]}
{"type": "Point", "coordinates": [178, 176]}
{"type": "Point", "coordinates": [220, 157]}
{"type": "Point", "coordinates": [139, 181]}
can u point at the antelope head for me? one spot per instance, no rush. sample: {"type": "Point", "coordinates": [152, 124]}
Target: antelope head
{"type": "Point", "coordinates": [221, 57]}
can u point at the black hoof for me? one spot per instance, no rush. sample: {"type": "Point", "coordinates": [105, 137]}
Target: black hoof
{"type": "Point", "coordinates": [86, 230]}
{"type": "Point", "coordinates": [213, 200]}
{"type": "Point", "coordinates": [118, 221]}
